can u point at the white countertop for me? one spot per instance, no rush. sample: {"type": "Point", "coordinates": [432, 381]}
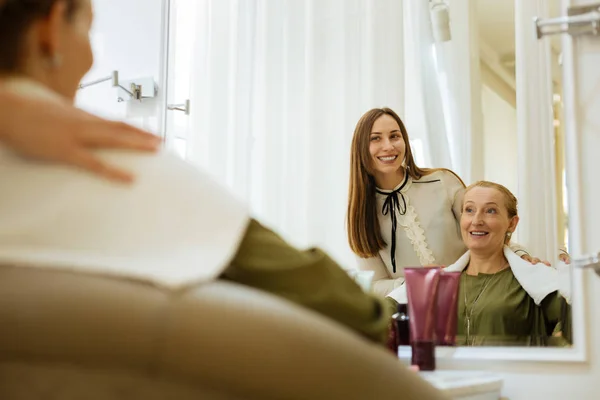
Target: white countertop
{"type": "Point", "coordinates": [466, 385]}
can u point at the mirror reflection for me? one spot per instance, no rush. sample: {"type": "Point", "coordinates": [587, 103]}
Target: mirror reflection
{"type": "Point", "coordinates": [445, 165]}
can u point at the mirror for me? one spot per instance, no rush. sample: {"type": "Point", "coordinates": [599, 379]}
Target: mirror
{"type": "Point", "coordinates": [277, 89]}
{"type": "Point", "coordinates": [516, 125]}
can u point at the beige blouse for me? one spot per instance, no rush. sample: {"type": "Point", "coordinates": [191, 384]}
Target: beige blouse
{"type": "Point", "coordinates": [427, 227]}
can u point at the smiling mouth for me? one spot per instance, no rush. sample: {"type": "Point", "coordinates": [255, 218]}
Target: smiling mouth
{"type": "Point", "coordinates": [388, 159]}
{"type": "Point", "coordinates": [478, 233]}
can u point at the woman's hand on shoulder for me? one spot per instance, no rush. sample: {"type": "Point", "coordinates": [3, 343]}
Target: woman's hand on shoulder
{"type": "Point", "coordinates": [564, 257]}
{"type": "Point", "coordinates": [535, 260]}
{"type": "Point", "coordinates": [60, 133]}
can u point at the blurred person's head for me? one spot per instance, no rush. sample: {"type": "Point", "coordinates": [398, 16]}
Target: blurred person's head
{"type": "Point", "coordinates": [46, 41]}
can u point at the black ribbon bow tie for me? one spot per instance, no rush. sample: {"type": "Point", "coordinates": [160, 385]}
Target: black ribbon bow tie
{"type": "Point", "coordinates": [390, 205]}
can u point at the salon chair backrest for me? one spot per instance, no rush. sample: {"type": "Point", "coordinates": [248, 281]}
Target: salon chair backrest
{"type": "Point", "coordinates": [67, 336]}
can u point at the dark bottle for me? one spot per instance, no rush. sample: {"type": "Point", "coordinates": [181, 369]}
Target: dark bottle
{"type": "Point", "coordinates": [402, 328]}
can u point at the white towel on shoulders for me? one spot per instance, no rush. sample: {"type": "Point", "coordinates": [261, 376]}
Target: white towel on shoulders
{"type": "Point", "coordinates": [538, 280]}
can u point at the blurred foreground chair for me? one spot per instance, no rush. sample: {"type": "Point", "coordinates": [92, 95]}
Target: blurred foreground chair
{"type": "Point", "coordinates": [68, 336]}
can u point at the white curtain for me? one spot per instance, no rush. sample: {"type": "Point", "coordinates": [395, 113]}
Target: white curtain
{"type": "Point", "coordinates": [428, 113]}
{"type": "Point", "coordinates": [276, 89]}
{"type": "Point", "coordinates": [537, 180]}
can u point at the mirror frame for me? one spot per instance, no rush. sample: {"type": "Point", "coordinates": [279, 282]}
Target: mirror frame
{"type": "Point", "coordinates": [577, 353]}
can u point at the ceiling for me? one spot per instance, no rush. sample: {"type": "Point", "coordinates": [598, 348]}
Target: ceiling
{"type": "Point", "coordinates": [496, 24]}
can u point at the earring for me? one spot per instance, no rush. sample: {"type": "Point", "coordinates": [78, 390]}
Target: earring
{"type": "Point", "coordinates": [508, 234]}
{"type": "Point", "coordinates": [55, 61]}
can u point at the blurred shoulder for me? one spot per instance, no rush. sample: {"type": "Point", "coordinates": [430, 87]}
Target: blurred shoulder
{"type": "Point", "coordinates": [166, 172]}
{"type": "Point", "coordinates": [161, 179]}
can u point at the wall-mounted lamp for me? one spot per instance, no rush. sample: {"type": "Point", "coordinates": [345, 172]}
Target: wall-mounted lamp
{"type": "Point", "coordinates": [185, 107]}
{"type": "Point", "coordinates": [440, 20]}
{"type": "Point", "coordinates": [114, 77]}
{"type": "Point", "coordinates": [139, 89]}
{"type": "Point", "coordinates": [588, 262]}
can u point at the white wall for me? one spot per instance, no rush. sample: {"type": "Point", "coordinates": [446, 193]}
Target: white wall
{"type": "Point", "coordinates": [500, 139]}
{"type": "Point", "coordinates": [126, 36]}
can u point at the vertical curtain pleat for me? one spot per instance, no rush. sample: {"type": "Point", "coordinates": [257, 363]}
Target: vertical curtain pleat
{"type": "Point", "coordinates": [429, 120]}
{"type": "Point", "coordinates": [278, 87]}
{"type": "Point", "coordinates": [537, 169]}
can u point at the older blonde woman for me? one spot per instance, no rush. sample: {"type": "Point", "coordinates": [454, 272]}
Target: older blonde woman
{"type": "Point", "coordinates": [503, 300]}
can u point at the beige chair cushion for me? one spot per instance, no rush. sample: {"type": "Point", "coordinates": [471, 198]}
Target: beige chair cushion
{"type": "Point", "coordinates": [81, 336]}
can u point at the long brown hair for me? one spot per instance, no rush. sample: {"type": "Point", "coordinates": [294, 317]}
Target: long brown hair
{"type": "Point", "coordinates": [364, 234]}
{"type": "Point", "coordinates": [16, 17]}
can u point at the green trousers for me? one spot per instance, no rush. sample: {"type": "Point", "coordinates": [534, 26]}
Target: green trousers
{"type": "Point", "coordinates": [310, 278]}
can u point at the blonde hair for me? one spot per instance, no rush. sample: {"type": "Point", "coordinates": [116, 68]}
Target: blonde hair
{"type": "Point", "coordinates": [510, 201]}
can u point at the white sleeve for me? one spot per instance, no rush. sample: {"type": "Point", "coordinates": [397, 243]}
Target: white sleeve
{"type": "Point", "coordinates": [382, 283]}
{"type": "Point", "coordinates": [399, 294]}
{"type": "Point", "coordinates": [456, 191]}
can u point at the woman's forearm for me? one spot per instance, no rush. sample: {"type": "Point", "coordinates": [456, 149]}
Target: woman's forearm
{"type": "Point", "coordinates": [383, 287]}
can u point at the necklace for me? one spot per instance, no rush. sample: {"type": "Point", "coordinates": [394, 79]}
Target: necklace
{"type": "Point", "coordinates": [469, 314]}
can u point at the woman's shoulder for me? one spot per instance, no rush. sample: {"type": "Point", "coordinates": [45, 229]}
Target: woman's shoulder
{"type": "Point", "coordinates": [443, 175]}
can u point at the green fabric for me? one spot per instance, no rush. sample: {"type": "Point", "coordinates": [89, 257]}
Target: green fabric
{"type": "Point", "coordinates": [392, 305]}
{"type": "Point", "coordinates": [309, 278]}
{"type": "Point", "coordinates": [503, 314]}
